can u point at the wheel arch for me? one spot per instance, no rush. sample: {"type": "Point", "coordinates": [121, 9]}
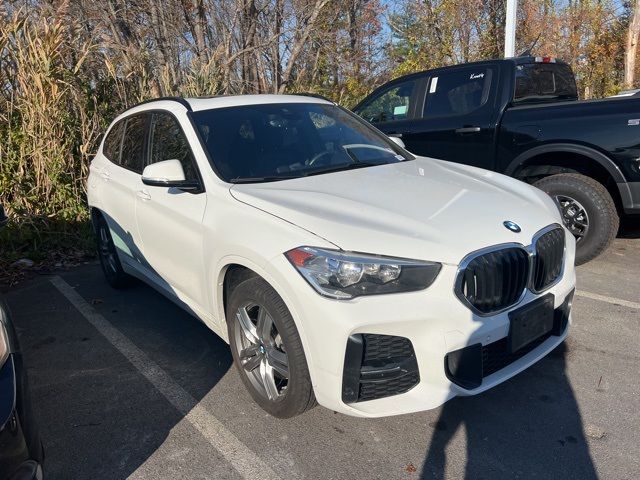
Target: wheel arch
{"type": "Point", "coordinates": [236, 269]}
{"type": "Point", "coordinates": [232, 270]}
{"type": "Point", "coordinates": [234, 275]}
{"type": "Point", "coordinates": [558, 149]}
{"type": "Point", "coordinates": [552, 159]}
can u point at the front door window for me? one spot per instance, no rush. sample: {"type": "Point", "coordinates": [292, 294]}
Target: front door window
{"type": "Point", "coordinates": [390, 105]}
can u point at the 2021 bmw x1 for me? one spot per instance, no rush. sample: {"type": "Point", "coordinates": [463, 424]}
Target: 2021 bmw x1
{"type": "Point", "coordinates": [339, 267]}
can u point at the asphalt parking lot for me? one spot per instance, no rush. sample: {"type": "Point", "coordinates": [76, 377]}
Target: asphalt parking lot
{"type": "Point", "coordinates": [125, 384]}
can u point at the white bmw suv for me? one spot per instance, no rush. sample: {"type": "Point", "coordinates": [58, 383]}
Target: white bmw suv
{"type": "Point", "coordinates": [338, 266]}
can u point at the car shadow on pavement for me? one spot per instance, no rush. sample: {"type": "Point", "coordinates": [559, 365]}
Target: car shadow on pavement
{"type": "Point", "coordinates": [99, 417]}
{"type": "Point", "coordinates": [629, 227]}
{"type": "Point", "coordinates": [539, 435]}
{"type": "Point", "coordinates": [99, 414]}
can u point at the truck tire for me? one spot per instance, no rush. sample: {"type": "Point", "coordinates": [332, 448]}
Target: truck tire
{"type": "Point", "coordinates": [587, 209]}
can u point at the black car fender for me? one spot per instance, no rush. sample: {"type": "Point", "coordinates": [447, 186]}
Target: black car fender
{"type": "Point", "coordinates": [593, 154]}
{"type": "Point", "coordinates": [626, 196]}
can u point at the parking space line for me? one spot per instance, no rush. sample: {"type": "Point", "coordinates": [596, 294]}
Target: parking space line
{"type": "Point", "coordinates": [240, 457]}
{"type": "Point", "coordinates": [604, 298]}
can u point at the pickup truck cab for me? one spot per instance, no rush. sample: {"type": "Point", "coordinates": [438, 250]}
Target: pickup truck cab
{"type": "Point", "coordinates": [521, 117]}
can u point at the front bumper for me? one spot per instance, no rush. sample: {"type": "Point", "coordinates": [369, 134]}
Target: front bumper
{"type": "Point", "coordinates": [21, 452]}
{"type": "Point", "coordinates": [435, 321]}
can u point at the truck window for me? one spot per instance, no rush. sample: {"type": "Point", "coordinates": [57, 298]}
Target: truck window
{"type": "Point", "coordinates": [458, 92]}
{"type": "Point", "coordinates": [543, 82]}
{"type": "Point", "coordinates": [388, 105]}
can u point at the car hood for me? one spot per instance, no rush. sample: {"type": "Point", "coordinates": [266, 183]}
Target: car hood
{"type": "Point", "coordinates": [423, 209]}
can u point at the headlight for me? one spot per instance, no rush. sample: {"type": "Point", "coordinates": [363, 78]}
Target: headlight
{"type": "Point", "coordinates": [345, 275]}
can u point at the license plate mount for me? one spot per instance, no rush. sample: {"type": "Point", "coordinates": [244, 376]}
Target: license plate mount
{"type": "Point", "coordinates": [530, 322]}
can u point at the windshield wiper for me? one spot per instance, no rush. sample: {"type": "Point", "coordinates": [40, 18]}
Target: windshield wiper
{"type": "Point", "coordinates": [341, 168]}
{"type": "Point", "coordinates": [302, 173]}
{"type": "Point", "coordinates": [269, 178]}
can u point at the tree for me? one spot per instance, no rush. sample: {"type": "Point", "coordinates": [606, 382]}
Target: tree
{"type": "Point", "coordinates": [631, 47]}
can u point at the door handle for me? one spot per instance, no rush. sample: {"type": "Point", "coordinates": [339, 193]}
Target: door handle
{"type": "Point", "coordinates": [394, 134]}
{"type": "Point", "coordinates": [468, 130]}
{"type": "Point", "coordinates": [106, 176]}
{"type": "Point", "coordinates": [143, 195]}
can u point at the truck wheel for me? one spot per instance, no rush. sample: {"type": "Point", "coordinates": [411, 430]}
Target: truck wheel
{"type": "Point", "coordinates": [267, 349]}
{"type": "Point", "coordinates": [587, 210]}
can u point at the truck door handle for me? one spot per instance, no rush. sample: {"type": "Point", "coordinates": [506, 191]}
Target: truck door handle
{"type": "Point", "coordinates": [395, 134]}
{"type": "Point", "coordinates": [106, 176]}
{"type": "Point", "coordinates": [143, 195]}
{"type": "Point", "coordinates": [468, 130]}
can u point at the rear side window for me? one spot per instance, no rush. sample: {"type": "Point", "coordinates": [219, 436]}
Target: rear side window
{"type": "Point", "coordinates": [389, 105]}
{"type": "Point", "coordinates": [544, 81]}
{"type": "Point", "coordinates": [458, 92]}
{"type": "Point", "coordinates": [168, 142]}
{"type": "Point", "coordinates": [113, 142]}
{"type": "Point", "coordinates": [133, 143]}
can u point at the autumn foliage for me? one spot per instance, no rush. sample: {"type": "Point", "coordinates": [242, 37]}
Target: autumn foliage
{"type": "Point", "coordinates": [67, 68]}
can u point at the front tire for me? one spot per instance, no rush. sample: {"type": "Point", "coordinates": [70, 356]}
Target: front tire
{"type": "Point", "coordinates": [587, 209]}
{"type": "Point", "coordinates": [267, 349]}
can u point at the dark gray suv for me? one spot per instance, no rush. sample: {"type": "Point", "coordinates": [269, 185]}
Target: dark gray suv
{"type": "Point", "coordinates": [21, 452]}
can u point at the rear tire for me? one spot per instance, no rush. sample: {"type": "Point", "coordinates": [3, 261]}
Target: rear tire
{"type": "Point", "coordinates": [108, 255]}
{"type": "Point", "coordinates": [267, 349]}
{"type": "Point", "coordinates": [587, 210]}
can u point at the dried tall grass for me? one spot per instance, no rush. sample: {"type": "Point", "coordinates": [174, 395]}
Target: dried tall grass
{"type": "Point", "coordinates": [47, 132]}
{"type": "Point", "coordinates": [48, 128]}
{"type": "Point", "coordinates": [56, 96]}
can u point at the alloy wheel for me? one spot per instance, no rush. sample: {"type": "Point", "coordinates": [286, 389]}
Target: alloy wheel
{"type": "Point", "coordinates": [261, 351]}
{"type": "Point", "coordinates": [574, 216]}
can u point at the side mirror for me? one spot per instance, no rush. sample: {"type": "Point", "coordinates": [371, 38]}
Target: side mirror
{"type": "Point", "coordinates": [381, 117]}
{"type": "Point", "coordinates": [397, 140]}
{"type": "Point", "coordinates": [168, 174]}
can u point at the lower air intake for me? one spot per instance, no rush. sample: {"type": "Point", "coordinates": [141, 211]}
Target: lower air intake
{"type": "Point", "coordinates": [378, 366]}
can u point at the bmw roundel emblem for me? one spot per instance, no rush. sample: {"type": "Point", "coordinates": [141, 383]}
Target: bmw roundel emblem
{"type": "Point", "coordinates": [513, 226]}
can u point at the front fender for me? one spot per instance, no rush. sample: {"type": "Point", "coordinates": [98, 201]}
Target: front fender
{"type": "Point", "coordinates": [273, 275]}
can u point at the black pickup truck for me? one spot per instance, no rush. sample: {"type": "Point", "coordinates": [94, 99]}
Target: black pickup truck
{"type": "Point", "coordinates": [522, 117]}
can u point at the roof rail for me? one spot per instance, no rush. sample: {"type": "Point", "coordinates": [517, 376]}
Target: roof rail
{"type": "Point", "coordinates": [180, 100]}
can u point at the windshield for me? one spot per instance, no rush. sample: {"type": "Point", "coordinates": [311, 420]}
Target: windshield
{"type": "Point", "coordinates": [269, 142]}
{"type": "Point", "coordinates": [543, 82]}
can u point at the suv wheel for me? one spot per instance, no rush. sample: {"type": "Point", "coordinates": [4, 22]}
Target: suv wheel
{"type": "Point", "coordinates": [587, 209]}
{"type": "Point", "coordinates": [267, 349]}
{"type": "Point", "coordinates": [109, 261]}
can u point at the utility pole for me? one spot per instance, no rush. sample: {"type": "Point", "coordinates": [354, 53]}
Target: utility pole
{"type": "Point", "coordinates": [510, 29]}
